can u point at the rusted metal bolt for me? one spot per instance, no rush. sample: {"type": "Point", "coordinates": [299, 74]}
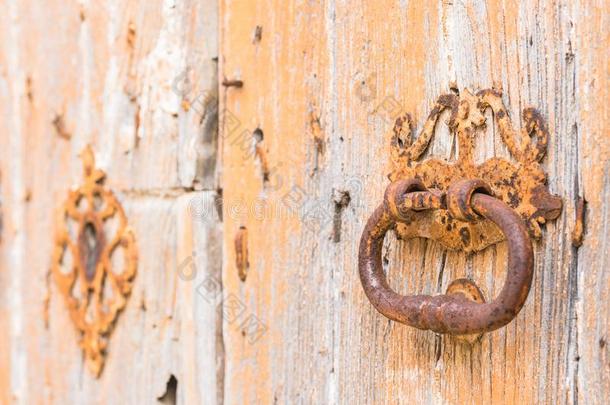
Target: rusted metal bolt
{"type": "Point", "coordinates": [233, 83]}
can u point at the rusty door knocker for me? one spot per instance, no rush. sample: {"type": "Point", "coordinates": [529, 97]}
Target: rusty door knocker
{"type": "Point", "coordinates": [463, 206]}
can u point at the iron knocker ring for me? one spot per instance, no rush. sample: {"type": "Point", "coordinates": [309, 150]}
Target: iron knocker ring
{"type": "Point", "coordinates": [462, 310]}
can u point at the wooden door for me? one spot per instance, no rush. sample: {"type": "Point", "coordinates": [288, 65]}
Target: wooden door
{"type": "Point", "coordinates": [111, 75]}
{"type": "Point", "coordinates": [248, 143]}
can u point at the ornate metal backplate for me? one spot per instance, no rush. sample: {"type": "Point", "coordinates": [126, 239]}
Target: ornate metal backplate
{"type": "Point", "coordinates": [91, 239]}
{"type": "Point", "coordinates": [521, 184]}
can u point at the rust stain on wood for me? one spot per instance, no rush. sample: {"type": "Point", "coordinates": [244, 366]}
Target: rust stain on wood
{"type": "Point", "coordinates": [318, 138]}
{"type": "Point", "coordinates": [341, 199]}
{"type": "Point", "coordinates": [83, 265]}
{"type": "Point", "coordinates": [29, 89]}
{"type": "Point", "coordinates": [578, 232]}
{"type": "Point", "coordinates": [261, 153]}
{"type": "Point", "coordinates": [258, 34]}
{"type": "Point", "coordinates": [60, 127]}
{"type": "Point", "coordinates": [241, 253]}
{"type": "Point", "coordinates": [131, 35]}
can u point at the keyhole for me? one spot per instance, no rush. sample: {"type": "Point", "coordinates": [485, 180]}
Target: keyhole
{"type": "Point", "coordinates": [91, 250]}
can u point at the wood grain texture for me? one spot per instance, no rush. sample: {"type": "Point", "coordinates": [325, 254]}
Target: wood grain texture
{"type": "Point", "coordinates": [315, 84]}
{"type": "Point", "coordinates": [111, 74]}
{"type": "Point", "coordinates": [138, 81]}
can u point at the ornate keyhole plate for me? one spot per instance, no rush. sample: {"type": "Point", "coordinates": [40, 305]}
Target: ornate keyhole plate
{"type": "Point", "coordinates": [91, 239]}
{"type": "Point", "coordinates": [521, 184]}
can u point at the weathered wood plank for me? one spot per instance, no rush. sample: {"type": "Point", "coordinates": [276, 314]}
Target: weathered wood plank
{"type": "Point", "coordinates": [337, 62]}
{"type": "Point", "coordinates": [109, 74]}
